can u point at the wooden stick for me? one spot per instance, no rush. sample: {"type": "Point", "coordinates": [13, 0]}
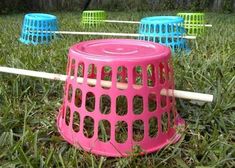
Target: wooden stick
{"type": "Point", "coordinates": [97, 33]}
{"type": "Point", "coordinates": [109, 34]}
{"type": "Point", "coordinates": [137, 22]}
{"type": "Point", "coordinates": [60, 77]}
{"type": "Point", "coordinates": [121, 21]}
{"type": "Point", "coordinates": [205, 25]}
{"type": "Point", "coordinates": [208, 25]}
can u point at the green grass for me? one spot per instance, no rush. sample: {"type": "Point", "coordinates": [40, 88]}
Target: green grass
{"type": "Point", "coordinates": [28, 106]}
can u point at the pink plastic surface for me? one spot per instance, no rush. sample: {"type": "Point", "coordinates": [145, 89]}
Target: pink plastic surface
{"type": "Point", "coordinates": [146, 62]}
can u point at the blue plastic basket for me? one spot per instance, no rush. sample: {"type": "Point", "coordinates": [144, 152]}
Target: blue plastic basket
{"type": "Point", "coordinates": [166, 30]}
{"type": "Point", "coordinates": [38, 28]}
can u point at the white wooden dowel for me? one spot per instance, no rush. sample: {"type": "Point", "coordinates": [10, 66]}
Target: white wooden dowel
{"type": "Point", "coordinates": [190, 37]}
{"type": "Point", "coordinates": [205, 25]}
{"type": "Point", "coordinates": [60, 77]}
{"type": "Point", "coordinates": [97, 33]}
{"type": "Point", "coordinates": [37, 74]}
{"type": "Point", "coordinates": [111, 34]}
{"type": "Point", "coordinates": [208, 25]}
{"type": "Point", "coordinates": [137, 22]}
{"type": "Point", "coordinates": [188, 95]}
{"type": "Point", "coordinates": [121, 21]}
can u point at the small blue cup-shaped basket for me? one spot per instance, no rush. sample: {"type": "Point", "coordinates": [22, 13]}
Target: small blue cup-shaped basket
{"type": "Point", "coordinates": [166, 30]}
{"type": "Point", "coordinates": [38, 28]}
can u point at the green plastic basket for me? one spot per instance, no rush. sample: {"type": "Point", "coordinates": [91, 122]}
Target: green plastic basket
{"type": "Point", "coordinates": [93, 18]}
{"type": "Point", "coordinates": [193, 23]}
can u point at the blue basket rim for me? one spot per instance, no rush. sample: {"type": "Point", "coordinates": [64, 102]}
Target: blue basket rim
{"type": "Point", "coordinates": [162, 19]}
{"type": "Point", "coordinates": [40, 16]}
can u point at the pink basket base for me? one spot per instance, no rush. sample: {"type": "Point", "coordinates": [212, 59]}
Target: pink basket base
{"type": "Point", "coordinates": [113, 149]}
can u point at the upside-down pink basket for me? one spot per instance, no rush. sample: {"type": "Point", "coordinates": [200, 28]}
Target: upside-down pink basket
{"type": "Point", "coordinates": [113, 103]}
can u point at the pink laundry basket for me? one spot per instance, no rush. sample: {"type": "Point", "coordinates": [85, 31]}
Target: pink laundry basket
{"type": "Point", "coordinates": [112, 104]}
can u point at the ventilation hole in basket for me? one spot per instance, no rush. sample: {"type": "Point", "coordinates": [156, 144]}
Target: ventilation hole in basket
{"type": "Point", "coordinates": [152, 28]}
{"type": "Point", "coordinates": [122, 78]}
{"type": "Point", "coordinates": [167, 70]}
{"type": "Point", "coordinates": [72, 68]}
{"type": "Point", "coordinates": [27, 36]}
{"type": "Point", "coordinates": [142, 27]}
{"type": "Point", "coordinates": [138, 130]}
{"type": "Point", "coordinates": [76, 121]}
{"type": "Point", "coordinates": [151, 38]}
{"type": "Point", "coordinates": [188, 18]}
{"type": "Point", "coordinates": [137, 77]}
{"type": "Point", "coordinates": [106, 75]}
{"type": "Point", "coordinates": [153, 127]}
{"type": "Point", "coordinates": [175, 39]}
{"type": "Point", "coordinates": [90, 101]}
{"type": "Point", "coordinates": [35, 39]}
{"type": "Point", "coordinates": [157, 29]}
{"type": "Point", "coordinates": [70, 93]}
{"type": "Point", "coordinates": [121, 105]}
{"type": "Point", "coordinates": [30, 37]}
{"type": "Point", "coordinates": [170, 74]}
{"type": "Point", "coordinates": [163, 101]}
{"type": "Point", "coordinates": [88, 129]}
{"type": "Point", "coordinates": [152, 102]}
{"type": "Point", "coordinates": [157, 39]}
{"type": "Point", "coordinates": [172, 118]}
{"type": "Point", "coordinates": [92, 71]}
{"type": "Point", "coordinates": [169, 39]}
{"type": "Point", "coordinates": [78, 98]}
{"type": "Point", "coordinates": [164, 121]}
{"type": "Point", "coordinates": [175, 29]}
{"type": "Point", "coordinates": [147, 28]}
{"type": "Point", "coordinates": [138, 104]}
{"type": "Point", "coordinates": [121, 132]}
{"type": "Point", "coordinates": [161, 73]}
{"type": "Point", "coordinates": [163, 28]}
{"type": "Point", "coordinates": [169, 28]}
{"type": "Point", "coordinates": [104, 131]}
{"type": "Point", "coordinates": [39, 25]}
{"type": "Point", "coordinates": [80, 72]}
{"type": "Point", "coordinates": [67, 116]}
{"type": "Point", "coordinates": [151, 75]}
{"type": "Point", "coordinates": [141, 37]}
{"type": "Point", "coordinates": [105, 104]}
{"type": "Point", "coordinates": [39, 40]}
{"type": "Point", "coordinates": [146, 38]}
{"type": "Point", "coordinates": [163, 40]}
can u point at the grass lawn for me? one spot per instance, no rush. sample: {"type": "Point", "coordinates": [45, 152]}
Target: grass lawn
{"type": "Point", "coordinates": [28, 106]}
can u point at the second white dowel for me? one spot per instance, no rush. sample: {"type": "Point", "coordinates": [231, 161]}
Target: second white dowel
{"type": "Point", "coordinates": [138, 22]}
